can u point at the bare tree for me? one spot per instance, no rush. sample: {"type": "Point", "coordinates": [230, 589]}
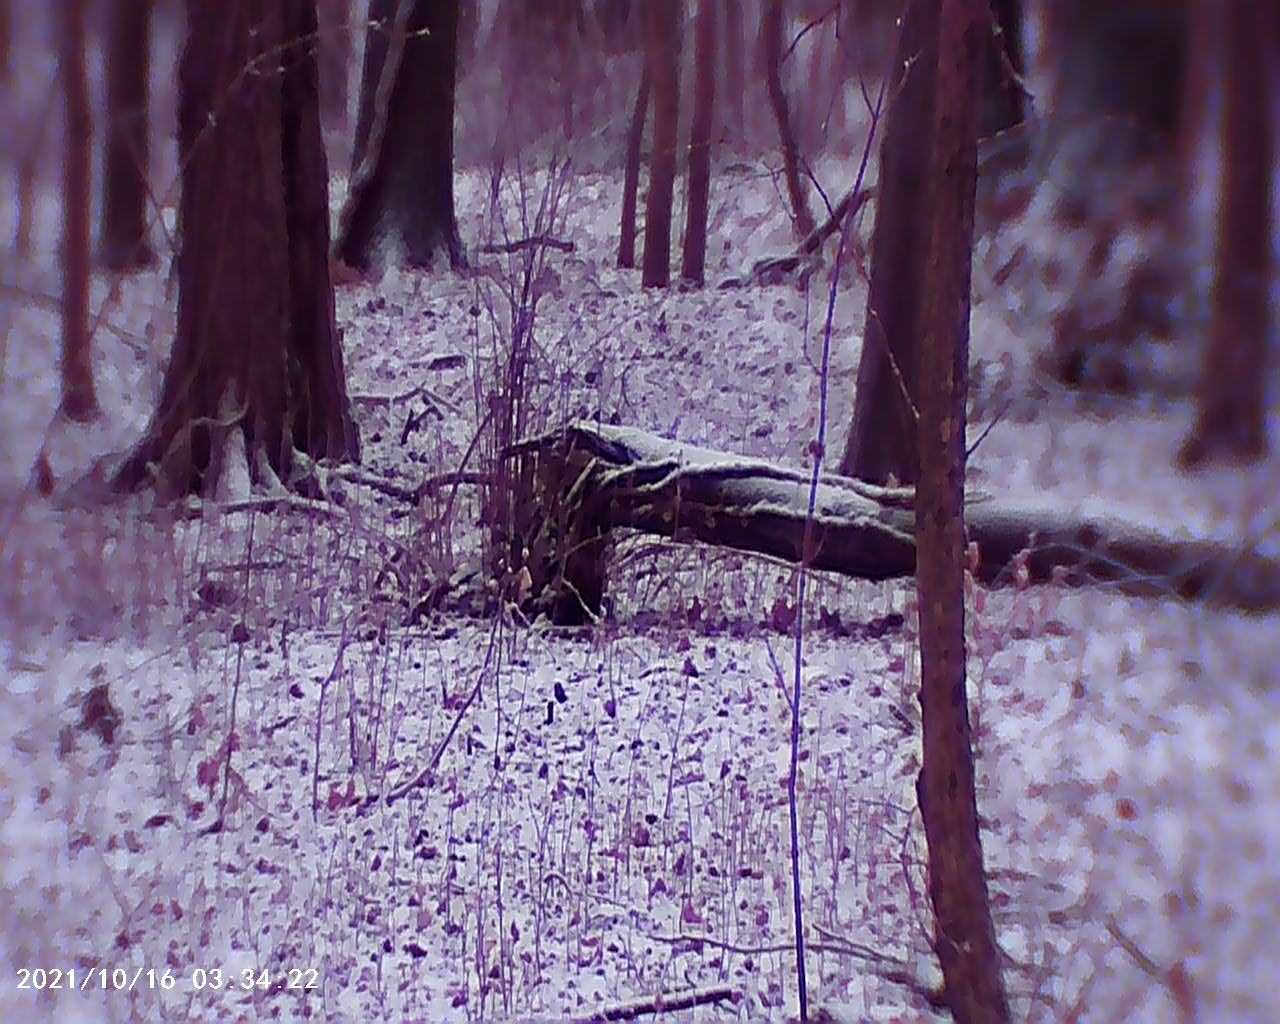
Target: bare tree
{"type": "Point", "coordinates": [882, 438]}
{"type": "Point", "coordinates": [964, 937]}
{"type": "Point", "coordinates": [662, 34]}
{"type": "Point", "coordinates": [1230, 419]}
{"type": "Point", "coordinates": [402, 176]}
{"type": "Point", "coordinates": [631, 174]}
{"type": "Point", "coordinates": [771, 43]}
{"type": "Point", "coordinates": [79, 400]}
{"type": "Point", "coordinates": [257, 354]}
{"type": "Point", "coordinates": [122, 242]}
{"type": "Point", "coordinates": [704, 99]}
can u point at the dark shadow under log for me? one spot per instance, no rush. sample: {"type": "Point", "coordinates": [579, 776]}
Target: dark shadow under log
{"type": "Point", "coordinates": [593, 479]}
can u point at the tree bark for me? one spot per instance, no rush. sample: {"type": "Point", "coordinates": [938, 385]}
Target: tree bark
{"type": "Point", "coordinates": [6, 40]}
{"type": "Point", "coordinates": [631, 175]}
{"type": "Point", "coordinates": [1231, 412]}
{"type": "Point", "coordinates": [664, 62]}
{"type": "Point", "coordinates": [1002, 97]}
{"type": "Point", "coordinates": [79, 399]}
{"type": "Point", "coordinates": [882, 438]}
{"type": "Point", "coordinates": [704, 99]}
{"type": "Point", "coordinates": [964, 936]}
{"type": "Point", "coordinates": [123, 243]}
{"type": "Point", "coordinates": [1204, 40]}
{"type": "Point", "coordinates": [771, 41]}
{"type": "Point", "coordinates": [257, 349]}
{"type": "Point", "coordinates": [402, 181]}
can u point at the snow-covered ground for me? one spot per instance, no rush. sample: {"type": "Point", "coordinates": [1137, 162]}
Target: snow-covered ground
{"type": "Point", "coordinates": [609, 818]}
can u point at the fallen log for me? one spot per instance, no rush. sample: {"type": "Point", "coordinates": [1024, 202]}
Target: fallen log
{"type": "Point", "coordinates": [589, 479]}
{"type": "Point", "coordinates": [658, 1004]}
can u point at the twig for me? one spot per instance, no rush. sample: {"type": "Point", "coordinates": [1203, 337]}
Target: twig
{"type": "Point", "coordinates": [425, 774]}
{"type": "Point", "coordinates": [454, 478]}
{"type": "Point", "coordinates": [413, 392]}
{"type": "Point", "coordinates": [363, 478]}
{"type": "Point", "coordinates": [809, 28]}
{"type": "Point", "coordinates": [532, 242]}
{"type": "Point", "coordinates": [195, 509]}
{"type": "Point", "coordinates": [137, 342]}
{"type": "Point", "coordinates": [324, 687]}
{"type": "Point", "coordinates": [1148, 966]}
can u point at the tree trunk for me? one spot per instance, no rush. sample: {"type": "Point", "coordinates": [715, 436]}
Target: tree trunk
{"type": "Point", "coordinates": [882, 439]}
{"type": "Point", "coordinates": [378, 34]}
{"type": "Point", "coordinates": [664, 63]}
{"type": "Point", "coordinates": [79, 400]}
{"type": "Point", "coordinates": [1204, 41]}
{"type": "Point", "coordinates": [734, 74]}
{"type": "Point", "coordinates": [631, 176]}
{"type": "Point", "coordinates": [402, 182]}
{"type": "Point", "coordinates": [6, 40]}
{"type": "Point", "coordinates": [123, 243]}
{"type": "Point", "coordinates": [257, 349]}
{"type": "Point", "coordinates": [771, 41]}
{"type": "Point", "coordinates": [964, 937]}
{"type": "Point", "coordinates": [704, 99]}
{"type": "Point", "coordinates": [1002, 99]}
{"type": "Point", "coordinates": [1231, 411]}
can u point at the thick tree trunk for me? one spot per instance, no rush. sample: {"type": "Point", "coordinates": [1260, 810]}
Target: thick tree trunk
{"type": "Point", "coordinates": [882, 438]}
{"type": "Point", "coordinates": [79, 400]}
{"type": "Point", "coordinates": [964, 937]}
{"type": "Point", "coordinates": [631, 175]}
{"type": "Point", "coordinates": [320, 410]}
{"type": "Point", "coordinates": [402, 182]}
{"type": "Point", "coordinates": [704, 100]}
{"type": "Point", "coordinates": [664, 63]}
{"type": "Point", "coordinates": [123, 243]}
{"type": "Point", "coordinates": [257, 350]}
{"type": "Point", "coordinates": [771, 42]}
{"type": "Point", "coordinates": [594, 478]}
{"type": "Point", "coordinates": [1231, 411]}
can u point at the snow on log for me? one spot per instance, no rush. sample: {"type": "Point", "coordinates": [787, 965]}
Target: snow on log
{"type": "Point", "coordinates": [592, 478]}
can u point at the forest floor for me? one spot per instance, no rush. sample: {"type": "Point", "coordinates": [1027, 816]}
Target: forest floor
{"type": "Point", "coordinates": [609, 819]}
